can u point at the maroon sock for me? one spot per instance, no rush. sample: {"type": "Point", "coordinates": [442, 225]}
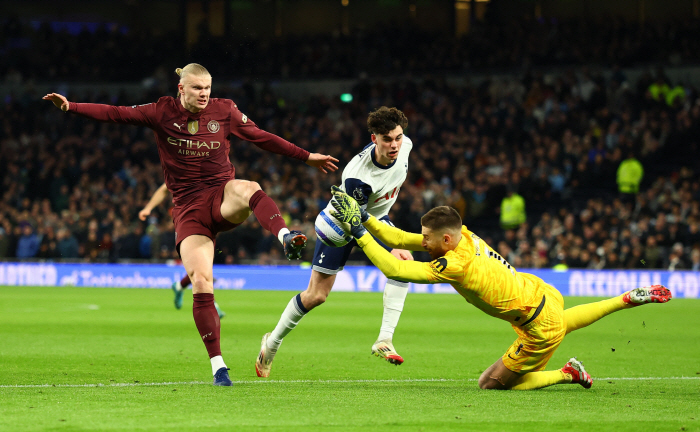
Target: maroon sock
{"type": "Point", "coordinates": [207, 320]}
{"type": "Point", "coordinates": [267, 212]}
{"type": "Point", "coordinates": [185, 281]}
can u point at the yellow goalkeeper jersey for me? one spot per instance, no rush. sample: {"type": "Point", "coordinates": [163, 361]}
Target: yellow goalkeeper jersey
{"type": "Point", "coordinates": [474, 269]}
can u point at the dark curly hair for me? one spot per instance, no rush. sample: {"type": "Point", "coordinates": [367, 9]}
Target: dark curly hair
{"type": "Point", "coordinates": [384, 120]}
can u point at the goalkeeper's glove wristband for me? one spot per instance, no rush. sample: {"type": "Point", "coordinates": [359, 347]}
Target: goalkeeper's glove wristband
{"type": "Point", "coordinates": [358, 231]}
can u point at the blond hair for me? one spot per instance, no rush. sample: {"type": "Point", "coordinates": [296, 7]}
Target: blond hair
{"type": "Point", "coordinates": [192, 69]}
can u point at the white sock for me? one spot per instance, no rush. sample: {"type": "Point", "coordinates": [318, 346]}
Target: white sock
{"type": "Point", "coordinates": [291, 316]}
{"type": "Point", "coordinates": [217, 362]}
{"type": "Point", "coordinates": [394, 298]}
{"type": "Point", "coordinates": [281, 234]}
{"type": "Point", "coordinates": [178, 286]}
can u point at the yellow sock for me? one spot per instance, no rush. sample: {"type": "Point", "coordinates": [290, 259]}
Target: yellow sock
{"type": "Point", "coordinates": [586, 314]}
{"type": "Point", "coordinates": [537, 380]}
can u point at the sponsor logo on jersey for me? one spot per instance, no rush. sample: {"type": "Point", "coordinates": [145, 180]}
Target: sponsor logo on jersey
{"type": "Point", "coordinates": [439, 265]}
{"type": "Point", "coordinates": [194, 144]}
{"type": "Point", "coordinates": [179, 127]}
{"type": "Point", "coordinates": [213, 126]}
{"type": "Point", "coordinates": [193, 126]}
{"type": "Point", "coordinates": [388, 195]}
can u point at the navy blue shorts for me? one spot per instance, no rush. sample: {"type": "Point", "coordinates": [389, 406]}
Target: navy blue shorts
{"type": "Point", "coordinates": [331, 260]}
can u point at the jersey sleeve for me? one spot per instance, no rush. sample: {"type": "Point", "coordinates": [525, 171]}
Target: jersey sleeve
{"type": "Point", "coordinates": [437, 271]}
{"type": "Point", "coordinates": [140, 115]}
{"type": "Point", "coordinates": [358, 189]}
{"type": "Point", "coordinates": [394, 237]}
{"type": "Point", "coordinates": [245, 129]}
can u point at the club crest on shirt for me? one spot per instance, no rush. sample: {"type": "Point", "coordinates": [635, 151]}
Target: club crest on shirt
{"type": "Point", "coordinates": [213, 126]}
{"type": "Point", "coordinates": [439, 265]}
{"type": "Point", "coordinates": [193, 126]}
{"type": "Point", "coordinates": [358, 195]}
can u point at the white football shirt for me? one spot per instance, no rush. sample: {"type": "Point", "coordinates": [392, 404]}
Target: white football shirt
{"type": "Point", "coordinates": [376, 187]}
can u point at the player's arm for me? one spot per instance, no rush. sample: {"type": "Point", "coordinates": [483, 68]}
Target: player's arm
{"type": "Point", "coordinates": [157, 198]}
{"type": "Point", "coordinates": [141, 115]}
{"type": "Point", "coordinates": [244, 128]}
{"type": "Point", "coordinates": [393, 268]}
{"type": "Point", "coordinates": [392, 236]}
{"type": "Point", "coordinates": [388, 234]}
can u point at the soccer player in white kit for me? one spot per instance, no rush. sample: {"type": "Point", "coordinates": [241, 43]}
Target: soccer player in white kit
{"type": "Point", "coordinates": [374, 178]}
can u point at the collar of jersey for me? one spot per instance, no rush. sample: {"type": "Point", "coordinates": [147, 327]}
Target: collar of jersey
{"type": "Point", "coordinates": [190, 114]}
{"type": "Point", "coordinates": [374, 159]}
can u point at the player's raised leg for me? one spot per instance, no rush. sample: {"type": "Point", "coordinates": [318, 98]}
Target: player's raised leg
{"type": "Point", "coordinates": [197, 254]}
{"type": "Point", "coordinates": [242, 197]}
{"type": "Point", "coordinates": [320, 286]}
{"type": "Point", "coordinates": [583, 315]}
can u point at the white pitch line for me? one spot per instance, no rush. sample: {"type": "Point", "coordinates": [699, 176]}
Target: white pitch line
{"type": "Point", "coordinates": [315, 382]}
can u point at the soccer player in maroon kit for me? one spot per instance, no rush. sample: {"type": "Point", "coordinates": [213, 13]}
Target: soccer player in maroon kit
{"type": "Point", "coordinates": [193, 136]}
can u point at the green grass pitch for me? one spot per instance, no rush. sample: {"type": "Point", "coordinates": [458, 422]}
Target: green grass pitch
{"type": "Point", "coordinates": [155, 374]}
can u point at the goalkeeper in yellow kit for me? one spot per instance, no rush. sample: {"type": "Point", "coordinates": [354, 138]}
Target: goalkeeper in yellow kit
{"type": "Point", "coordinates": [534, 308]}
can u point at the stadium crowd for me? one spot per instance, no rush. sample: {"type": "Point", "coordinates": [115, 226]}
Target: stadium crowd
{"type": "Point", "coordinates": [54, 51]}
{"type": "Point", "coordinates": [72, 188]}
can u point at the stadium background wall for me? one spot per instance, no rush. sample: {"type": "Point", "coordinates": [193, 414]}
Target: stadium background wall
{"type": "Point", "coordinates": [599, 283]}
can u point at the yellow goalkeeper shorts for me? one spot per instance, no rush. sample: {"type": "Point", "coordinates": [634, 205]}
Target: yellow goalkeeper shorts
{"type": "Point", "coordinates": [538, 339]}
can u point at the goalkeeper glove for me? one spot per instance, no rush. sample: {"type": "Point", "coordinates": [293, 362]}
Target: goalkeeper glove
{"type": "Point", "coordinates": [340, 195]}
{"type": "Point", "coordinates": [347, 211]}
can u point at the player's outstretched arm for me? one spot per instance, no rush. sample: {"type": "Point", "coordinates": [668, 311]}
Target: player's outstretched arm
{"type": "Point", "coordinates": [393, 268]}
{"type": "Point", "coordinates": [142, 115]}
{"type": "Point", "coordinates": [157, 198]}
{"type": "Point", "coordinates": [391, 236]}
{"type": "Point", "coordinates": [322, 162]}
{"type": "Point", "coordinates": [59, 100]}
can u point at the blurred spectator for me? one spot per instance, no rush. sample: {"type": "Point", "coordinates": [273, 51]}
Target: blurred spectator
{"type": "Point", "coordinates": [512, 210]}
{"type": "Point", "coordinates": [67, 244]}
{"type": "Point", "coordinates": [629, 176]}
{"type": "Point", "coordinates": [28, 243]}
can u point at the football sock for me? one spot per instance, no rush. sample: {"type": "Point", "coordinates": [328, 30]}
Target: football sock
{"type": "Point", "coordinates": [280, 235]}
{"type": "Point", "coordinates": [537, 380]}
{"type": "Point", "coordinates": [184, 283]}
{"type": "Point", "coordinates": [580, 316]}
{"type": "Point", "coordinates": [217, 362]}
{"type": "Point", "coordinates": [291, 316]}
{"type": "Point", "coordinates": [267, 212]}
{"type": "Point", "coordinates": [207, 320]}
{"type": "Point", "coordinates": [394, 298]}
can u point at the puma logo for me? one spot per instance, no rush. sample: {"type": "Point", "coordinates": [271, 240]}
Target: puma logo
{"type": "Point", "coordinates": [178, 126]}
{"type": "Point", "coordinates": [207, 335]}
{"type": "Point", "coordinates": [322, 256]}
{"type": "Point", "coordinates": [275, 215]}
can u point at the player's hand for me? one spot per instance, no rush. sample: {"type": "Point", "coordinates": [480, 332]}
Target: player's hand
{"type": "Point", "coordinates": [347, 211]}
{"type": "Point", "coordinates": [402, 254]}
{"type": "Point", "coordinates": [143, 214]}
{"type": "Point", "coordinates": [338, 192]}
{"type": "Point", "coordinates": [59, 100]}
{"type": "Point", "coordinates": [322, 162]}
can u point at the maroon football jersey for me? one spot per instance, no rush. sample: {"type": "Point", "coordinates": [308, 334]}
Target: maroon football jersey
{"type": "Point", "coordinates": [194, 148]}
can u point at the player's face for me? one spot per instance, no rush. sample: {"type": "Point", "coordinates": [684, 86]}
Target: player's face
{"type": "Point", "coordinates": [388, 145]}
{"type": "Point", "coordinates": [194, 92]}
{"type": "Point", "coordinates": [434, 242]}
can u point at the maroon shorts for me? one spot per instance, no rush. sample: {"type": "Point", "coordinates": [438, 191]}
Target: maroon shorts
{"type": "Point", "coordinates": [201, 216]}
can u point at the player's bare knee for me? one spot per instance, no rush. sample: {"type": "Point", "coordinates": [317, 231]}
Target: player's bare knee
{"type": "Point", "coordinates": [490, 384]}
{"type": "Point", "coordinates": [202, 282]}
{"type": "Point", "coordinates": [251, 188]}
